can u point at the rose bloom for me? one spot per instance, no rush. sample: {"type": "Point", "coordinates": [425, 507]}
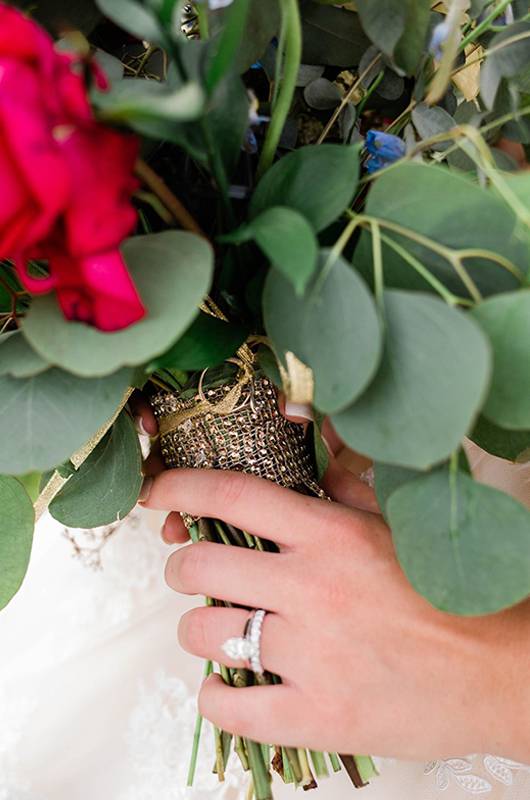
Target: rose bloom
{"type": "Point", "coordinates": [66, 180]}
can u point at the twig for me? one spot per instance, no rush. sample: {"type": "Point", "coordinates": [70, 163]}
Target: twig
{"type": "Point", "coordinates": [159, 187]}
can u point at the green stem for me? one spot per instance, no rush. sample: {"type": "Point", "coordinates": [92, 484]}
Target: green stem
{"type": "Point", "coordinates": [293, 57]}
{"type": "Point", "coordinates": [437, 285]}
{"type": "Point", "coordinates": [208, 669]}
{"type": "Point", "coordinates": [308, 781]}
{"type": "Point", "coordinates": [377, 255]}
{"type": "Point", "coordinates": [484, 25]}
{"type": "Point", "coordinates": [373, 86]}
{"type": "Point", "coordinates": [204, 23]}
{"type": "Point", "coordinates": [335, 762]}
{"type": "Point", "coordinates": [319, 764]}
{"type": "Point", "coordinates": [366, 767]}
{"type": "Point", "coordinates": [260, 773]}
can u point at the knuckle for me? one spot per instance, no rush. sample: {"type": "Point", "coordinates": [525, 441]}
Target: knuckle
{"type": "Point", "coordinates": [230, 489]}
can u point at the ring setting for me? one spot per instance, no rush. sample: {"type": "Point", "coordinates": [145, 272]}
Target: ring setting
{"type": "Point", "coordinates": [247, 648]}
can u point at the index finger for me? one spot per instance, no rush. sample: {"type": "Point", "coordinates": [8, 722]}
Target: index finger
{"type": "Point", "coordinates": [253, 504]}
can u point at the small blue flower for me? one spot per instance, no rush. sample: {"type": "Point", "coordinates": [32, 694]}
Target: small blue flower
{"type": "Point", "coordinates": [438, 39]}
{"type": "Point", "coordinates": [384, 149]}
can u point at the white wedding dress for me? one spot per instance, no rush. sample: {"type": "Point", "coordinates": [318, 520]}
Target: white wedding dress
{"type": "Point", "coordinates": [97, 700]}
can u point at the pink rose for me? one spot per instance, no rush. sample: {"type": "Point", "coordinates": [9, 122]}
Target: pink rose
{"type": "Point", "coordinates": [66, 180]}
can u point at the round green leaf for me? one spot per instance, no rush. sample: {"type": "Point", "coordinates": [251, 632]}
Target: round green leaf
{"type": "Point", "coordinates": [107, 486]}
{"type": "Point", "coordinates": [429, 388]}
{"type": "Point", "coordinates": [444, 208]}
{"type": "Point", "coordinates": [333, 171]}
{"type": "Point", "coordinates": [16, 536]}
{"type": "Point", "coordinates": [207, 343]}
{"type": "Point", "coordinates": [334, 328]}
{"type": "Point", "coordinates": [172, 271]}
{"type": "Point", "coordinates": [18, 358]}
{"type": "Point", "coordinates": [288, 241]}
{"type": "Point", "coordinates": [47, 417]}
{"type": "Point", "coordinates": [506, 320]}
{"type": "Point", "coordinates": [388, 478]}
{"type": "Point", "coordinates": [463, 546]}
{"type": "Point", "coordinates": [511, 445]}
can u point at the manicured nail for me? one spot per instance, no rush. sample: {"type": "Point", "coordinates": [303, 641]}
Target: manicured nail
{"type": "Point", "coordinates": [301, 410]}
{"type": "Point", "coordinates": [139, 425]}
{"type": "Point", "coordinates": [327, 445]}
{"type": "Point", "coordinates": [146, 490]}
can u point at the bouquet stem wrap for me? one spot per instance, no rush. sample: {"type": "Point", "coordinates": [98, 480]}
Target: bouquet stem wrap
{"type": "Point", "coordinates": [236, 424]}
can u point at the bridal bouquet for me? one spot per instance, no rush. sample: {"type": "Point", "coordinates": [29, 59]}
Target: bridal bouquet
{"type": "Point", "coordinates": [216, 201]}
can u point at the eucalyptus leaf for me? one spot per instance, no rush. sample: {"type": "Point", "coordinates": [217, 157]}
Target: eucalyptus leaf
{"type": "Point", "coordinates": [47, 417]}
{"type": "Point", "coordinates": [16, 536]}
{"type": "Point", "coordinates": [397, 27]}
{"type": "Point", "coordinates": [432, 121]}
{"type": "Point", "coordinates": [388, 478]}
{"type": "Point", "coordinates": [134, 18]}
{"type": "Point", "coordinates": [172, 271]}
{"type": "Point", "coordinates": [449, 210]}
{"type": "Point", "coordinates": [18, 358]}
{"type": "Point", "coordinates": [322, 94]}
{"type": "Point", "coordinates": [342, 346]}
{"type": "Point", "coordinates": [207, 343]}
{"type": "Point", "coordinates": [139, 102]}
{"type": "Point", "coordinates": [509, 55]}
{"type": "Point", "coordinates": [263, 23]}
{"type": "Point", "coordinates": [107, 485]}
{"type": "Point", "coordinates": [317, 181]}
{"type": "Point", "coordinates": [431, 384]}
{"type": "Point", "coordinates": [506, 321]}
{"type": "Point", "coordinates": [287, 239]}
{"type": "Point", "coordinates": [511, 445]}
{"type": "Point", "coordinates": [464, 546]}
{"type": "Point", "coordinates": [331, 36]}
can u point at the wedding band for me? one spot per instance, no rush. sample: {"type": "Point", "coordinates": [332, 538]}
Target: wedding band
{"type": "Point", "coordinates": [247, 648]}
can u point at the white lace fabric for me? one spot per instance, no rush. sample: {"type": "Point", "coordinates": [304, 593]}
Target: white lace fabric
{"type": "Point", "coordinates": [97, 700]}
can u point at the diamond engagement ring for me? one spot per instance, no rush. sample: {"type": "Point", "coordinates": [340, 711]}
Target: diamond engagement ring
{"type": "Point", "coordinates": [247, 647]}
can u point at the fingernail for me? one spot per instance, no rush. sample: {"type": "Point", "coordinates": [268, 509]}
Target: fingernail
{"type": "Point", "coordinates": [139, 425]}
{"type": "Point", "coordinates": [301, 410]}
{"type": "Point", "coordinates": [327, 445]}
{"type": "Point", "coordinates": [146, 490]}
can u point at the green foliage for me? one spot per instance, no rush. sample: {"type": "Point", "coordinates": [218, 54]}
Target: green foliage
{"type": "Point", "coordinates": [45, 418]}
{"type": "Point", "coordinates": [464, 546]}
{"type": "Point", "coordinates": [331, 36]}
{"type": "Point", "coordinates": [333, 327]}
{"type": "Point", "coordinates": [509, 60]}
{"type": "Point", "coordinates": [429, 388]}
{"type": "Point", "coordinates": [16, 536]}
{"type": "Point", "coordinates": [511, 445]}
{"type": "Point", "coordinates": [398, 27]}
{"type": "Point", "coordinates": [442, 218]}
{"type": "Point", "coordinates": [318, 182]}
{"type": "Point", "coordinates": [207, 343]}
{"type": "Point", "coordinates": [154, 108]}
{"type": "Point", "coordinates": [287, 239]}
{"type": "Point", "coordinates": [18, 358]}
{"type": "Point", "coordinates": [262, 24]}
{"type": "Point", "coordinates": [107, 485]}
{"type": "Point", "coordinates": [506, 320]}
{"type": "Point", "coordinates": [173, 272]}
{"type": "Point", "coordinates": [133, 17]}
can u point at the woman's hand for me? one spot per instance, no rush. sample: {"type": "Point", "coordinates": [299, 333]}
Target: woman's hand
{"type": "Point", "coordinates": [367, 665]}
